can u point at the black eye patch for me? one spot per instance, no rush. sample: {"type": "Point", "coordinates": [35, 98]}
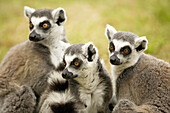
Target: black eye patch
{"type": "Point", "coordinates": [111, 47]}
{"type": "Point", "coordinates": [76, 63]}
{"type": "Point", "coordinates": [125, 50]}
{"type": "Point", "coordinates": [45, 25]}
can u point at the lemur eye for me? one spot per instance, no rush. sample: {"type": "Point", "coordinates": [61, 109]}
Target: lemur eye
{"type": "Point", "coordinates": [126, 51]}
{"type": "Point", "coordinates": [45, 25]}
{"type": "Point", "coordinates": [111, 48]}
{"type": "Point", "coordinates": [76, 63]}
{"type": "Point", "coordinates": [31, 26]}
{"type": "Point", "coordinates": [64, 63]}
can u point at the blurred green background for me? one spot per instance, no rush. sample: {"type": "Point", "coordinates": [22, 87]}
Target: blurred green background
{"type": "Point", "coordinates": [87, 20]}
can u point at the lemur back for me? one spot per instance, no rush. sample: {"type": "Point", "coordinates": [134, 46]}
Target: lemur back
{"type": "Point", "coordinates": [141, 81]}
{"type": "Point", "coordinates": [89, 84]}
{"type": "Point", "coordinates": [30, 63]}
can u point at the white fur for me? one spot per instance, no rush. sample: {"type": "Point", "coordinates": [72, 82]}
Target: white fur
{"type": "Point", "coordinates": [55, 14]}
{"type": "Point", "coordinates": [111, 31]}
{"type": "Point", "coordinates": [28, 11]}
{"type": "Point", "coordinates": [37, 20]}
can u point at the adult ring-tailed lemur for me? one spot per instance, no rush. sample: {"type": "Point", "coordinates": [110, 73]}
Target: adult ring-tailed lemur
{"type": "Point", "coordinates": [26, 67]}
{"type": "Point", "coordinates": [141, 81]}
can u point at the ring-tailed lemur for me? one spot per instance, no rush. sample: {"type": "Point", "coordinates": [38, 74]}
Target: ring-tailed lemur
{"type": "Point", "coordinates": [142, 81]}
{"type": "Point", "coordinates": [28, 64]}
{"type": "Point", "coordinates": [86, 83]}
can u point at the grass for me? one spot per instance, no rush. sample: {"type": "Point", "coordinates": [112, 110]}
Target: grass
{"type": "Point", "coordinates": [87, 20]}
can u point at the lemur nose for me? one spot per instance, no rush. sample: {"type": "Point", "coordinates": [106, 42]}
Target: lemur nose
{"type": "Point", "coordinates": [35, 37]}
{"type": "Point", "coordinates": [114, 60]}
{"type": "Point", "coordinates": [64, 75]}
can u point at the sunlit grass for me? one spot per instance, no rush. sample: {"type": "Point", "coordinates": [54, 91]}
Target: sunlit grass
{"type": "Point", "coordinates": [87, 20]}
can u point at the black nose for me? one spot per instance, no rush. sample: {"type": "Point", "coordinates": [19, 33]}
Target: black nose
{"type": "Point", "coordinates": [64, 75]}
{"type": "Point", "coordinates": [35, 37]}
{"type": "Point", "coordinates": [114, 60]}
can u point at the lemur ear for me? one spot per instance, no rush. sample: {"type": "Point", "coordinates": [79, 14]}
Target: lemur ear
{"type": "Point", "coordinates": [90, 51]}
{"type": "Point", "coordinates": [59, 16]}
{"type": "Point", "coordinates": [141, 44]}
{"type": "Point", "coordinates": [28, 11]}
{"type": "Point", "coordinates": [110, 31]}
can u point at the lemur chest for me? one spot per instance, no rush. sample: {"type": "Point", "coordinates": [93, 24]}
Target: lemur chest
{"type": "Point", "coordinates": [57, 54]}
{"type": "Point", "coordinates": [93, 99]}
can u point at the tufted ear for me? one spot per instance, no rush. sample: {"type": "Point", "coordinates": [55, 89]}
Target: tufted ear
{"type": "Point", "coordinates": [90, 51]}
{"type": "Point", "coordinates": [59, 16]}
{"type": "Point", "coordinates": [141, 44]}
{"type": "Point", "coordinates": [28, 11]}
{"type": "Point", "coordinates": [110, 31]}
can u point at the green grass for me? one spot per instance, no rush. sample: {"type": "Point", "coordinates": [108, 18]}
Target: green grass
{"type": "Point", "coordinates": [87, 20]}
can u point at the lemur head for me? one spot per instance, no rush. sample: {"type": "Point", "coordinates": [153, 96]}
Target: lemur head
{"type": "Point", "coordinates": [44, 23]}
{"type": "Point", "coordinates": [79, 60]}
{"type": "Point", "coordinates": [124, 47]}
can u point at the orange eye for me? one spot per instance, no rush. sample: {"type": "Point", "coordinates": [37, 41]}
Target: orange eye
{"type": "Point", "coordinates": [76, 63]}
{"type": "Point", "coordinates": [31, 26]}
{"type": "Point", "coordinates": [64, 63]}
{"type": "Point", "coordinates": [126, 51]}
{"type": "Point", "coordinates": [111, 48]}
{"type": "Point", "coordinates": [45, 25]}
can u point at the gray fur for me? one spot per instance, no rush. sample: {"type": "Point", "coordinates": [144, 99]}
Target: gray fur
{"type": "Point", "coordinates": [145, 86]}
{"type": "Point", "coordinates": [125, 36]}
{"type": "Point", "coordinates": [74, 49]}
{"type": "Point", "coordinates": [43, 13]}
{"type": "Point", "coordinates": [23, 97]}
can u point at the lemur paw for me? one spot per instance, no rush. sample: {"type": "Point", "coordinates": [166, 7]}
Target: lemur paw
{"type": "Point", "coordinates": [21, 101]}
{"type": "Point", "coordinates": [125, 106]}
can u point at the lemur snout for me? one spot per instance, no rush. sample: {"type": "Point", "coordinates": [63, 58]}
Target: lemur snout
{"type": "Point", "coordinates": [114, 60]}
{"type": "Point", "coordinates": [35, 37]}
{"type": "Point", "coordinates": [68, 75]}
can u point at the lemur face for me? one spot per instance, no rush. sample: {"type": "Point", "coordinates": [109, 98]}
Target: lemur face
{"type": "Point", "coordinates": [78, 59]}
{"type": "Point", "coordinates": [124, 47]}
{"type": "Point", "coordinates": [44, 23]}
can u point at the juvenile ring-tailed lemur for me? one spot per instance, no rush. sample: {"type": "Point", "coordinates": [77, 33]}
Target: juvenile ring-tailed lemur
{"type": "Point", "coordinates": [86, 88]}
{"type": "Point", "coordinates": [25, 68]}
{"type": "Point", "coordinates": [142, 82]}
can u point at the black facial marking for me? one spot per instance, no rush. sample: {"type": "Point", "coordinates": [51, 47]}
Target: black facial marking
{"type": "Point", "coordinates": [61, 17]}
{"type": "Point", "coordinates": [78, 61]}
{"type": "Point", "coordinates": [126, 48]}
{"type": "Point", "coordinates": [111, 45]}
{"type": "Point", "coordinates": [60, 67]}
{"type": "Point", "coordinates": [58, 86]}
{"type": "Point", "coordinates": [31, 26]}
{"type": "Point", "coordinates": [45, 22]}
{"type": "Point", "coordinates": [91, 52]}
{"type": "Point", "coordinates": [68, 107]}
